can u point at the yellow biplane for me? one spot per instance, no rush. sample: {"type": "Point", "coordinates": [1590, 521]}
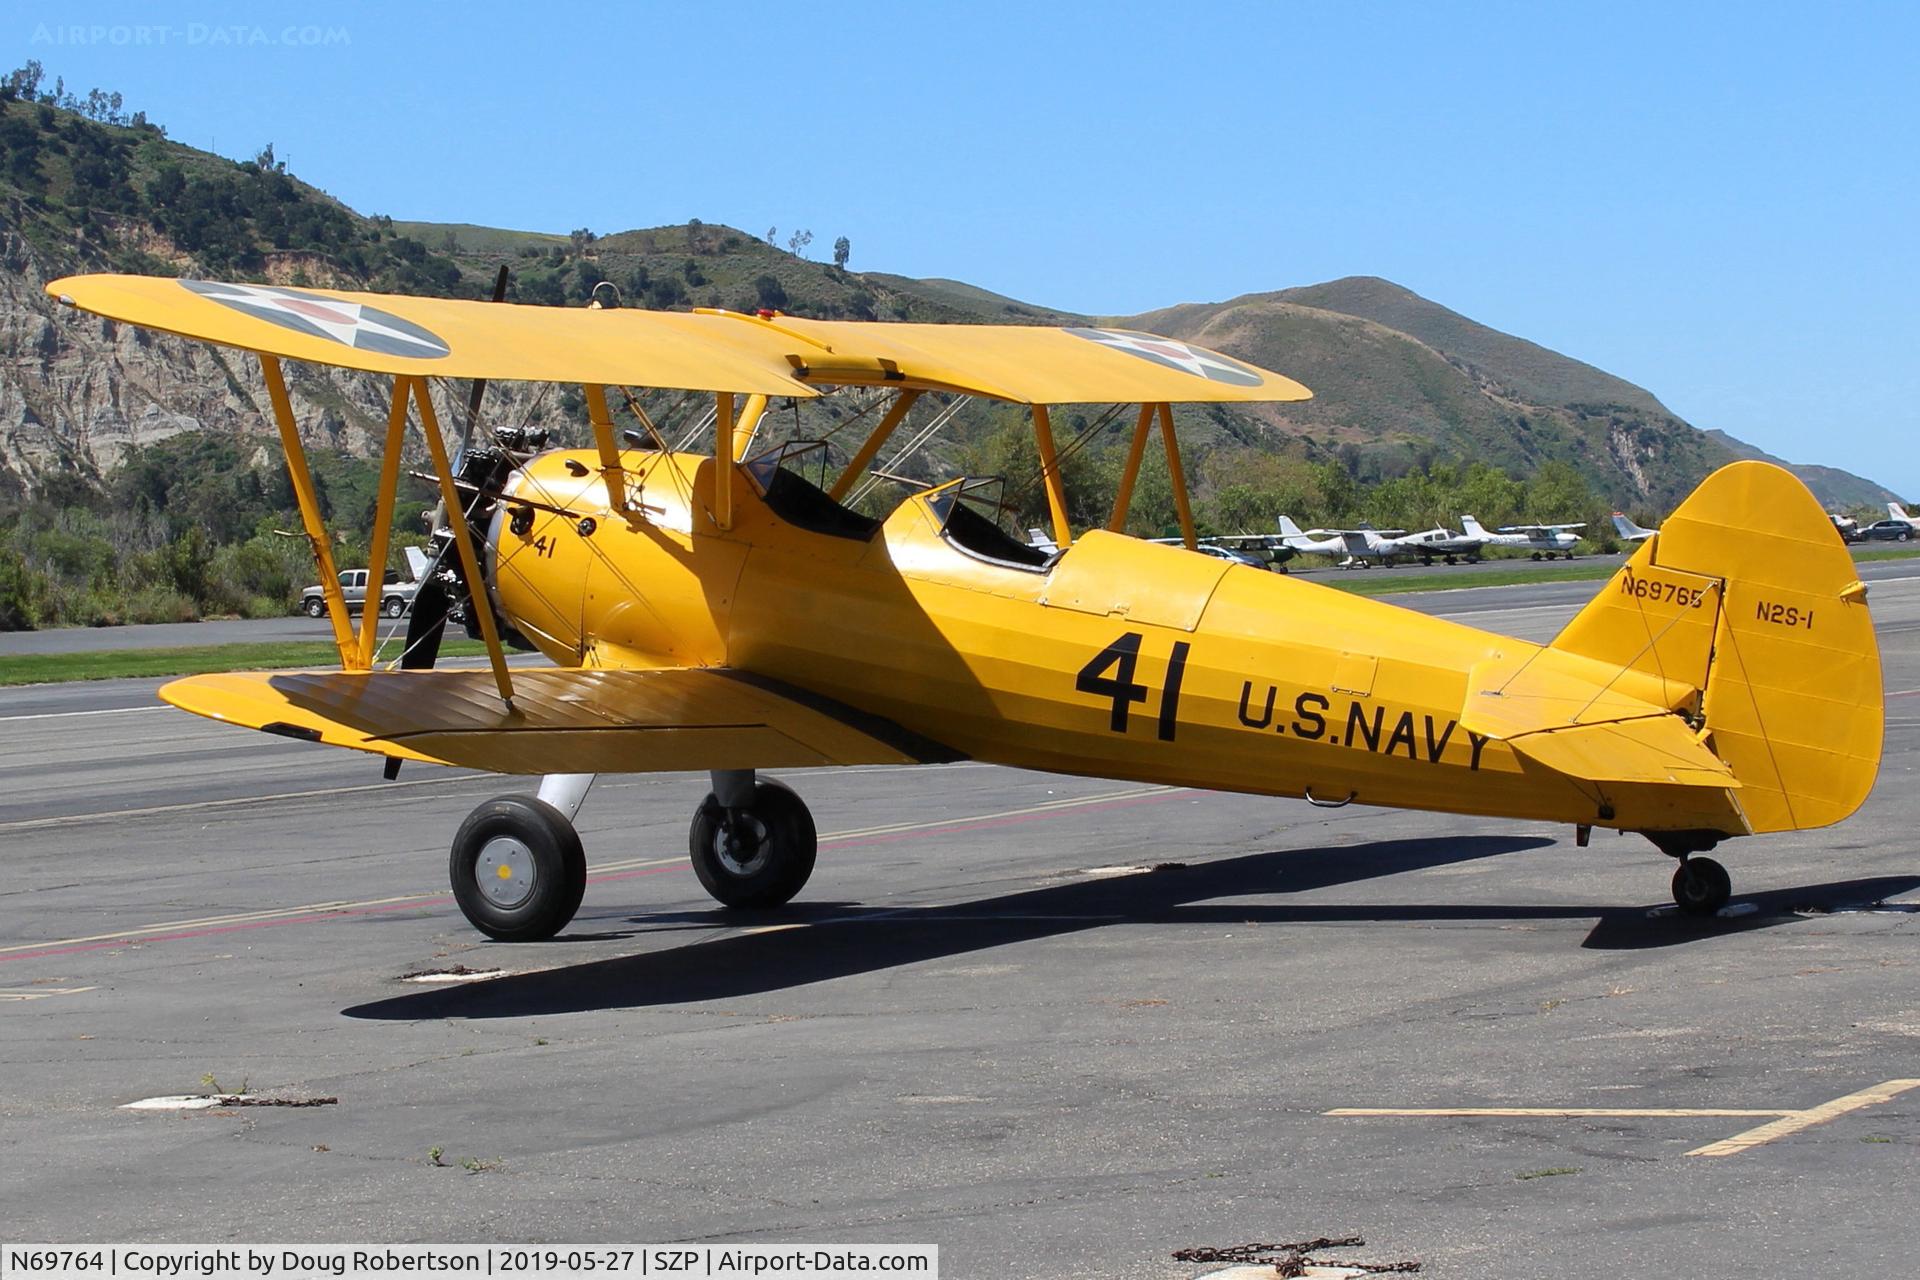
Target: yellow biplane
{"type": "Point", "coordinates": [717, 611]}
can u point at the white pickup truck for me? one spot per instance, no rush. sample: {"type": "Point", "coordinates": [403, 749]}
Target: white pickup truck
{"type": "Point", "coordinates": [396, 595]}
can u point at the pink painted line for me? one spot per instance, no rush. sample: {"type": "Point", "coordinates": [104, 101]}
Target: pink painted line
{"type": "Point", "coordinates": [988, 824]}
{"type": "Point", "coordinates": [209, 931]}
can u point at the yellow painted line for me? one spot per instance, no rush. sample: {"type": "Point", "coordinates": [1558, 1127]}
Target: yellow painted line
{"type": "Point", "coordinates": [1795, 1121]}
{"type": "Point", "coordinates": [327, 908]}
{"type": "Point", "coordinates": [207, 922]}
{"type": "Point", "coordinates": [1784, 1123]}
{"type": "Point", "coordinates": [27, 824]}
{"type": "Point", "coordinates": [1658, 1113]}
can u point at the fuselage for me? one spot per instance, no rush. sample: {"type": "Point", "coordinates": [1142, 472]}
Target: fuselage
{"type": "Point", "coordinates": [1117, 658]}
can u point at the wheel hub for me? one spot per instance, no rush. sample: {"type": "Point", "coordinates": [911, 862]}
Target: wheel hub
{"type": "Point", "coordinates": [740, 842]}
{"type": "Point", "coordinates": [505, 872]}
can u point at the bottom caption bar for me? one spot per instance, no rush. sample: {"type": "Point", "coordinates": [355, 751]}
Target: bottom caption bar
{"type": "Point", "coordinates": [362, 1261]}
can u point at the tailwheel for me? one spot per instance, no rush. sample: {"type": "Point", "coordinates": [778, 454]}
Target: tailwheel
{"type": "Point", "coordinates": [517, 868]}
{"type": "Point", "coordinates": [756, 854]}
{"type": "Point", "coordinates": [1701, 886]}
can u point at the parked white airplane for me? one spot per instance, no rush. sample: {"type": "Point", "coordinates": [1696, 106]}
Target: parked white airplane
{"type": "Point", "coordinates": [1898, 512]}
{"type": "Point", "coordinates": [1629, 531]}
{"type": "Point", "coordinates": [1365, 545]}
{"type": "Point", "coordinates": [1294, 536]}
{"type": "Point", "coordinates": [1549, 540]}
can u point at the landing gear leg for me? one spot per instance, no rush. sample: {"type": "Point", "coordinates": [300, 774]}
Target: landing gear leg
{"type": "Point", "coordinates": [753, 842]}
{"type": "Point", "coordinates": [1701, 886]}
{"type": "Point", "coordinates": [566, 791]}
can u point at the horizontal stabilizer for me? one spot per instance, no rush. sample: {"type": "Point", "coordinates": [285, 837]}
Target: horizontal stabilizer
{"type": "Point", "coordinates": [1659, 749]}
{"type": "Point", "coordinates": [570, 720]}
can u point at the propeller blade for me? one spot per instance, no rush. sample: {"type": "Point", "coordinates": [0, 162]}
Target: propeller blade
{"type": "Point", "coordinates": [480, 384]}
{"type": "Point", "coordinates": [427, 624]}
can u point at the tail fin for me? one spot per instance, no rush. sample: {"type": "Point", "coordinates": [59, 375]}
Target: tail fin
{"type": "Point", "coordinates": [1898, 512]}
{"type": "Point", "coordinates": [1471, 527]}
{"type": "Point", "coordinates": [417, 563]}
{"type": "Point", "coordinates": [1629, 529]}
{"type": "Point", "coordinates": [1750, 614]}
{"type": "Point", "coordinates": [1290, 529]}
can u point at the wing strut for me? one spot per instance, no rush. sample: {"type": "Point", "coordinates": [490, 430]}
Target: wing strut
{"type": "Point", "coordinates": [1123, 496]}
{"type": "Point", "coordinates": [857, 465]}
{"type": "Point", "coordinates": [1178, 475]}
{"type": "Point", "coordinates": [479, 598]}
{"type": "Point", "coordinates": [310, 517]}
{"type": "Point", "coordinates": [1050, 472]}
{"type": "Point", "coordinates": [383, 524]}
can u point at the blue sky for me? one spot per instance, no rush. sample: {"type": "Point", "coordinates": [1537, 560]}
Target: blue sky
{"type": "Point", "coordinates": [1717, 201]}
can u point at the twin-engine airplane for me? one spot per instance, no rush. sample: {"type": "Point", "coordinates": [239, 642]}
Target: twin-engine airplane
{"type": "Point", "coordinates": [716, 611]}
{"type": "Point", "coordinates": [1366, 546]}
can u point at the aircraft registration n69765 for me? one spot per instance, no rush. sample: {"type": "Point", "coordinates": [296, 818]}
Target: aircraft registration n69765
{"type": "Point", "coordinates": [717, 611]}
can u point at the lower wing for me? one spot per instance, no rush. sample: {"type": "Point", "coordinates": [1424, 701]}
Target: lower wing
{"type": "Point", "coordinates": [570, 720]}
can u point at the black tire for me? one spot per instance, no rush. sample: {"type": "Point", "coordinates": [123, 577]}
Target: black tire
{"type": "Point", "coordinates": [523, 838]}
{"type": "Point", "coordinates": [1536, 555]}
{"type": "Point", "coordinates": [777, 865]}
{"type": "Point", "coordinates": [314, 607]}
{"type": "Point", "coordinates": [1701, 886]}
{"type": "Point", "coordinates": [1902, 537]}
{"type": "Point", "coordinates": [393, 606]}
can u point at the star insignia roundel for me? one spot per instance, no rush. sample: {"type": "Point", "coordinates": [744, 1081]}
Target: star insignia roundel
{"type": "Point", "coordinates": [351, 324]}
{"type": "Point", "coordinates": [1198, 361]}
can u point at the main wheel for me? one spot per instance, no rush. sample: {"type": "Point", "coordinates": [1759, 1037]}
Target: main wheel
{"type": "Point", "coordinates": [314, 606]}
{"type": "Point", "coordinates": [1701, 886]}
{"type": "Point", "coordinates": [1536, 555]}
{"type": "Point", "coordinates": [393, 606]}
{"type": "Point", "coordinates": [517, 869]}
{"type": "Point", "coordinates": [759, 856]}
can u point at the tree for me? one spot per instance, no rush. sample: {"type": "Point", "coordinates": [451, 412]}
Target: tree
{"type": "Point", "coordinates": [587, 277]}
{"type": "Point", "coordinates": [773, 236]}
{"type": "Point", "coordinates": [24, 83]}
{"type": "Point", "coordinates": [798, 241]}
{"type": "Point", "coordinates": [167, 186]}
{"type": "Point", "coordinates": [772, 295]}
{"type": "Point", "coordinates": [581, 238]}
{"type": "Point", "coordinates": [842, 250]}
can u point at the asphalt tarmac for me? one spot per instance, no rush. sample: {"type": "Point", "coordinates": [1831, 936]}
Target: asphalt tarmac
{"type": "Point", "coordinates": [988, 1023]}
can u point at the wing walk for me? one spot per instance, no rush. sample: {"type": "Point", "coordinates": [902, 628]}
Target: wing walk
{"type": "Point", "coordinates": [568, 720]}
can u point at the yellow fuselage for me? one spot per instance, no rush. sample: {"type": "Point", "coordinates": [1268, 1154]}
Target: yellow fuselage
{"type": "Point", "coordinates": [1120, 659]}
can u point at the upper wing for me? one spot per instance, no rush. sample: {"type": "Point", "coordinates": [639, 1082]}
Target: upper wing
{"type": "Point", "coordinates": [699, 351]}
{"type": "Point", "coordinates": [447, 337]}
{"type": "Point", "coordinates": [567, 720]}
{"type": "Point", "coordinates": [1032, 365]}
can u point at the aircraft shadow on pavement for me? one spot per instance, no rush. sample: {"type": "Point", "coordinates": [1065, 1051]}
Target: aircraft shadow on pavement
{"type": "Point", "coordinates": [836, 940]}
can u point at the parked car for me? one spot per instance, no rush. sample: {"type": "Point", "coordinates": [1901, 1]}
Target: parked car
{"type": "Point", "coordinates": [396, 596]}
{"type": "Point", "coordinates": [1886, 531]}
{"type": "Point", "coordinates": [1219, 552]}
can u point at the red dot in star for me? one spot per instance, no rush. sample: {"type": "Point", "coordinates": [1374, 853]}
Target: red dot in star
{"type": "Point", "coordinates": [315, 310]}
